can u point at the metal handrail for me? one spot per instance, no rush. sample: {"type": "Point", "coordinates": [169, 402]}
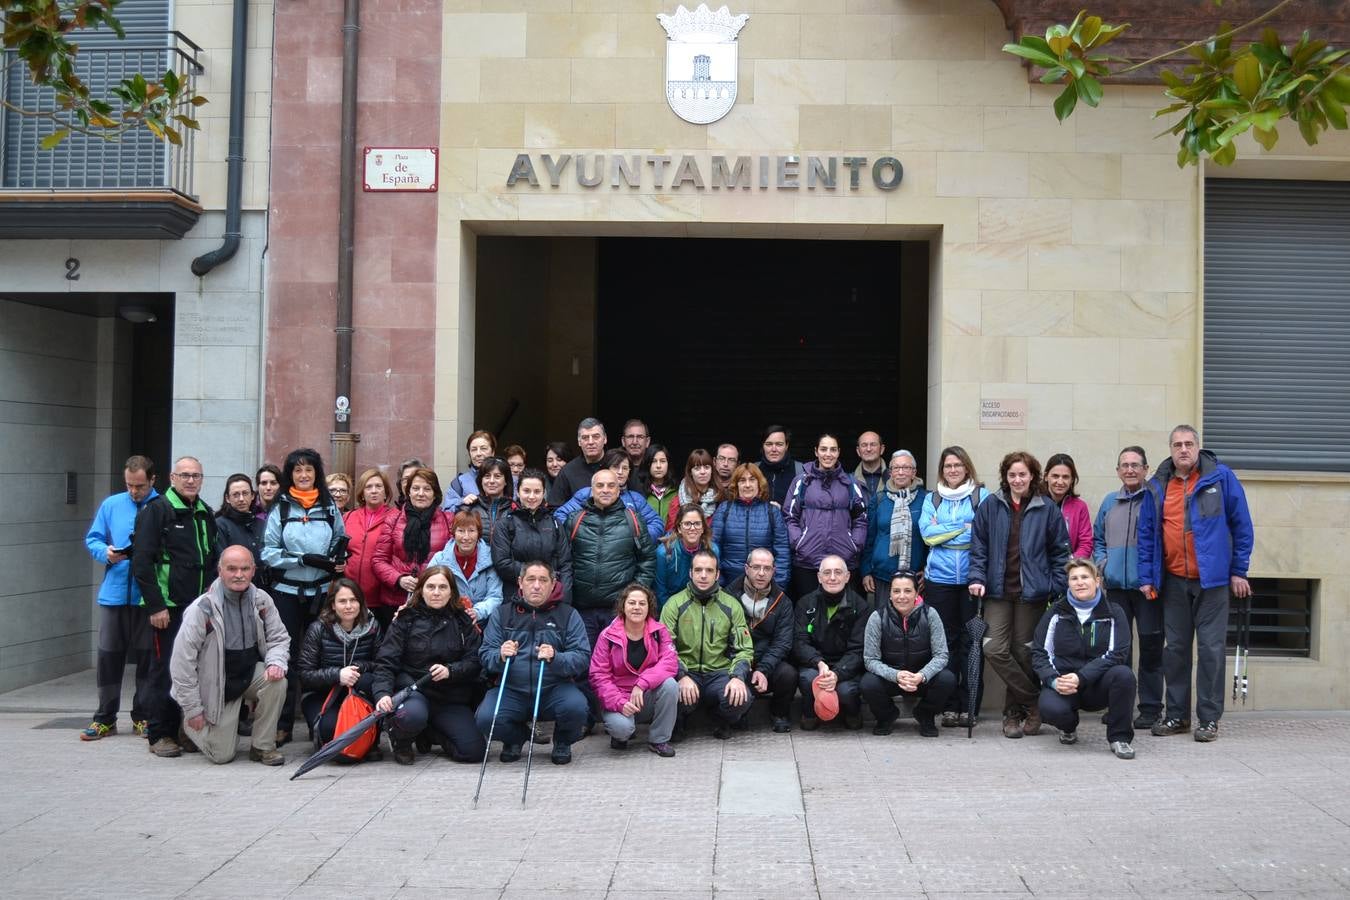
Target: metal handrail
{"type": "Point", "coordinates": [136, 162]}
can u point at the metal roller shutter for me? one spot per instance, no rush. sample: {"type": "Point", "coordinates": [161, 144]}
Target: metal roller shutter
{"type": "Point", "coordinates": [1277, 324]}
{"type": "Point", "coordinates": [79, 162]}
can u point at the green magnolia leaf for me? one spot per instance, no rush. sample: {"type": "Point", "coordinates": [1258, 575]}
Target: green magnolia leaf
{"type": "Point", "coordinates": [56, 137]}
{"type": "Point", "coordinates": [1076, 66]}
{"type": "Point", "coordinates": [1265, 119]}
{"type": "Point", "coordinates": [1247, 76]}
{"type": "Point", "coordinates": [1271, 40]}
{"type": "Point", "coordinates": [1065, 102]}
{"type": "Point", "coordinates": [1266, 137]}
{"type": "Point", "coordinates": [1089, 90]}
{"type": "Point", "coordinates": [1092, 26]}
{"type": "Point", "coordinates": [1059, 44]}
{"type": "Point", "coordinates": [1268, 57]}
{"type": "Point", "coordinates": [1238, 126]}
{"type": "Point", "coordinates": [1039, 57]}
{"type": "Point", "coordinates": [1335, 112]}
{"type": "Point", "coordinates": [171, 84]}
{"type": "Point", "coordinates": [1225, 155]}
{"type": "Point", "coordinates": [187, 121]}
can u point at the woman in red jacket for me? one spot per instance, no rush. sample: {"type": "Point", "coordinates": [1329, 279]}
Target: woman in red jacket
{"type": "Point", "coordinates": [411, 537]}
{"type": "Point", "coordinates": [364, 526]}
{"type": "Point", "coordinates": [633, 672]}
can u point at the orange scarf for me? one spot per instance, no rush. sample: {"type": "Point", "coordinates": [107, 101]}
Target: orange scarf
{"type": "Point", "coordinates": [307, 498]}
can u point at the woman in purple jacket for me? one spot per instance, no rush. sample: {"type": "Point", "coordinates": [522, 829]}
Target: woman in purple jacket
{"type": "Point", "coordinates": [826, 513]}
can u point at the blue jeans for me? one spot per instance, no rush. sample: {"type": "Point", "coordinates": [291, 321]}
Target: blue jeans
{"type": "Point", "coordinates": [562, 703]}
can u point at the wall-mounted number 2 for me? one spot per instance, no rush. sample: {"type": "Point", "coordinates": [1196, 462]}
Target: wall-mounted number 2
{"type": "Point", "coordinates": [72, 269]}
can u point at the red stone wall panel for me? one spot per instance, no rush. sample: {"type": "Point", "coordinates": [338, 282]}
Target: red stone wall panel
{"type": "Point", "coordinates": [394, 296]}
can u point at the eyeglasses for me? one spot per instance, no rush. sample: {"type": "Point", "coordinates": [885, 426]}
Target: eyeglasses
{"type": "Point", "coordinates": [691, 524]}
{"type": "Point", "coordinates": [904, 468]}
{"type": "Point", "coordinates": [1128, 466]}
{"type": "Point", "coordinates": [188, 476]}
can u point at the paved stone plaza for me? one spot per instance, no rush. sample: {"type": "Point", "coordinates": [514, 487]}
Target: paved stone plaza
{"type": "Point", "coordinates": [1265, 811]}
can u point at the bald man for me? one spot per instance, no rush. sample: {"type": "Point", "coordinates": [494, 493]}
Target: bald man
{"type": "Point", "coordinates": [231, 647]}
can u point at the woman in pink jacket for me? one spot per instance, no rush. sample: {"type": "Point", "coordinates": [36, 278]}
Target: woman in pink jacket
{"type": "Point", "coordinates": [1061, 486]}
{"type": "Point", "coordinates": [633, 672]}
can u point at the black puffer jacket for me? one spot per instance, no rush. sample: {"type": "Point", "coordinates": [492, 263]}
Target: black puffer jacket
{"type": "Point", "coordinates": [323, 654]}
{"type": "Point", "coordinates": [838, 640]}
{"type": "Point", "coordinates": [421, 637]}
{"type": "Point", "coordinates": [772, 635]}
{"type": "Point", "coordinates": [245, 530]}
{"type": "Point", "coordinates": [610, 548]}
{"type": "Point", "coordinates": [524, 535]}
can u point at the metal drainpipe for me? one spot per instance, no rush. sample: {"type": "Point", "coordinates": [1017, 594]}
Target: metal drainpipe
{"type": "Point", "coordinates": [234, 189]}
{"type": "Point", "coordinates": [343, 439]}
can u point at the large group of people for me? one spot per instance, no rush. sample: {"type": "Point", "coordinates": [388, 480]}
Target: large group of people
{"type": "Point", "coordinates": [608, 589]}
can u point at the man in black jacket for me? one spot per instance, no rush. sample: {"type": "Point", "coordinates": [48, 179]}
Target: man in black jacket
{"type": "Point", "coordinates": [174, 554]}
{"type": "Point", "coordinates": [577, 473]}
{"type": "Point", "coordinates": [830, 623]}
{"type": "Point", "coordinates": [769, 613]}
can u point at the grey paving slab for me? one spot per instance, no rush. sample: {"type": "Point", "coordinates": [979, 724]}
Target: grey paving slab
{"type": "Point", "coordinates": [1263, 812]}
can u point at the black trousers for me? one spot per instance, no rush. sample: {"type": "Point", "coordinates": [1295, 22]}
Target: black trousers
{"type": "Point", "coordinates": [933, 695]}
{"type": "Point", "coordinates": [1146, 616]}
{"type": "Point", "coordinates": [782, 685]}
{"type": "Point", "coordinates": [1114, 691]}
{"type": "Point", "coordinates": [453, 721]}
{"type": "Point", "coordinates": [1194, 616]}
{"type": "Point", "coordinates": [712, 697]}
{"type": "Point", "coordinates": [955, 608]}
{"type": "Point", "coordinates": [165, 717]}
{"type": "Point", "coordinates": [295, 616]}
{"type": "Point", "coordinates": [122, 635]}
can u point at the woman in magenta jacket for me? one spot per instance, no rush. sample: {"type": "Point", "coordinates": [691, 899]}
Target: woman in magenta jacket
{"type": "Point", "coordinates": [1061, 486]}
{"type": "Point", "coordinates": [411, 537]}
{"type": "Point", "coordinates": [633, 672]}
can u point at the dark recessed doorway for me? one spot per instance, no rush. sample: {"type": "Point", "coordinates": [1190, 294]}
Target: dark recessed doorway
{"type": "Point", "coordinates": [709, 340]}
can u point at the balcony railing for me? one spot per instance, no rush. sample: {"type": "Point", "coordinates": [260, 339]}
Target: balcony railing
{"type": "Point", "coordinates": [136, 162]}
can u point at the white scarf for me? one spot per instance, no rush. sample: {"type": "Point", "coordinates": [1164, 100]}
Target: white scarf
{"type": "Point", "coordinates": [957, 493]}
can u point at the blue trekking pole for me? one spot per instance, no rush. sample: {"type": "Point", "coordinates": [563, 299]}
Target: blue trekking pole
{"type": "Point", "coordinates": [534, 723]}
{"type": "Point", "coordinates": [501, 689]}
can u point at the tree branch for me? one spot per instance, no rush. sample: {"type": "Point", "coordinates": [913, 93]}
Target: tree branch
{"type": "Point", "coordinates": [1264, 17]}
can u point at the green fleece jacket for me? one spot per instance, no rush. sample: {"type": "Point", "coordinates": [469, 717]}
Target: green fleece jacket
{"type": "Point", "coordinates": [711, 636]}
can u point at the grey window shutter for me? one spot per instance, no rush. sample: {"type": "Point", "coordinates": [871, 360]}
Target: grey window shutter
{"type": "Point", "coordinates": [79, 162]}
{"type": "Point", "coordinates": [1277, 324]}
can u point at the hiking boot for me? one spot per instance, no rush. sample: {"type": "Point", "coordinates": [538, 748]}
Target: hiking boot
{"type": "Point", "coordinates": [781, 724]}
{"type": "Point", "coordinates": [883, 727]}
{"type": "Point", "coordinates": [510, 753]}
{"type": "Point", "coordinates": [1167, 727]}
{"type": "Point", "coordinates": [186, 743]}
{"type": "Point", "coordinates": [809, 723]}
{"type": "Point", "coordinates": [722, 731]}
{"type": "Point", "coordinates": [1032, 723]}
{"type": "Point", "coordinates": [950, 719]}
{"type": "Point", "coordinates": [140, 728]}
{"type": "Point", "coordinates": [166, 748]}
{"type": "Point", "coordinates": [927, 726]}
{"type": "Point", "coordinates": [404, 754]}
{"type": "Point", "coordinates": [1144, 721]}
{"type": "Point", "coordinates": [266, 757]}
{"type": "Point", "coordinates": [1208, 731]}
{"type": "Point", "coordinates": [1068, 737]}
{"type": "Point", "coordinates": [283, 738]}
{"type": "Point", "coordinates": [663, 750]}
{"type": "Point", "coordinates": [967, 720]}
{"type": "Point", "coordinates": [616, 744]}
{"type": "Point", "coordinates": [1122, 749]}
{"type": "Point", "coordinates": [561, 754]}
{"type": "Point", "coordinates": [97, 731]}
{"type": "Point", "coordinates": [853, 722]}
{"type": "Point", "coordinates": [1012, 725]}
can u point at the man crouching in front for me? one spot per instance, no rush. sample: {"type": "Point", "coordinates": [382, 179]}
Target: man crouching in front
{"type": "Point", "coordinates": [232, 647]}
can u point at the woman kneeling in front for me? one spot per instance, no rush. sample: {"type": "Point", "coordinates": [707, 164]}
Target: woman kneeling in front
{"type": "Point", "coordinates": [1081, 655]}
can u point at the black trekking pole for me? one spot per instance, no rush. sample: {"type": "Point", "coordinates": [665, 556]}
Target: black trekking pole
{"type": "Point", "coordinates": [534, 723]}
{"type": "Point", "coordinates": [501, 689]}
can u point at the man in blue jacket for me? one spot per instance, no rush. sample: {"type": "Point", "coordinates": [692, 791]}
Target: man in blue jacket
{"type": "Point", "coordinates": [122, 623]}
{"type": "Point", "coordinates": [1115, 549]}
{"type": "Point", "coordinates": [1195, 540]}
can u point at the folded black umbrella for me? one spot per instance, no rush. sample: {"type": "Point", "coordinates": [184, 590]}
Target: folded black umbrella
{"type": "Point", "coordinates": [340, 741]}
{"type": "Point", "coordinates": [975, 630]}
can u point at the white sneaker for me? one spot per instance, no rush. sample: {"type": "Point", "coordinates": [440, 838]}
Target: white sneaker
{"type": "Point", "coordinates": [1122, 749]}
